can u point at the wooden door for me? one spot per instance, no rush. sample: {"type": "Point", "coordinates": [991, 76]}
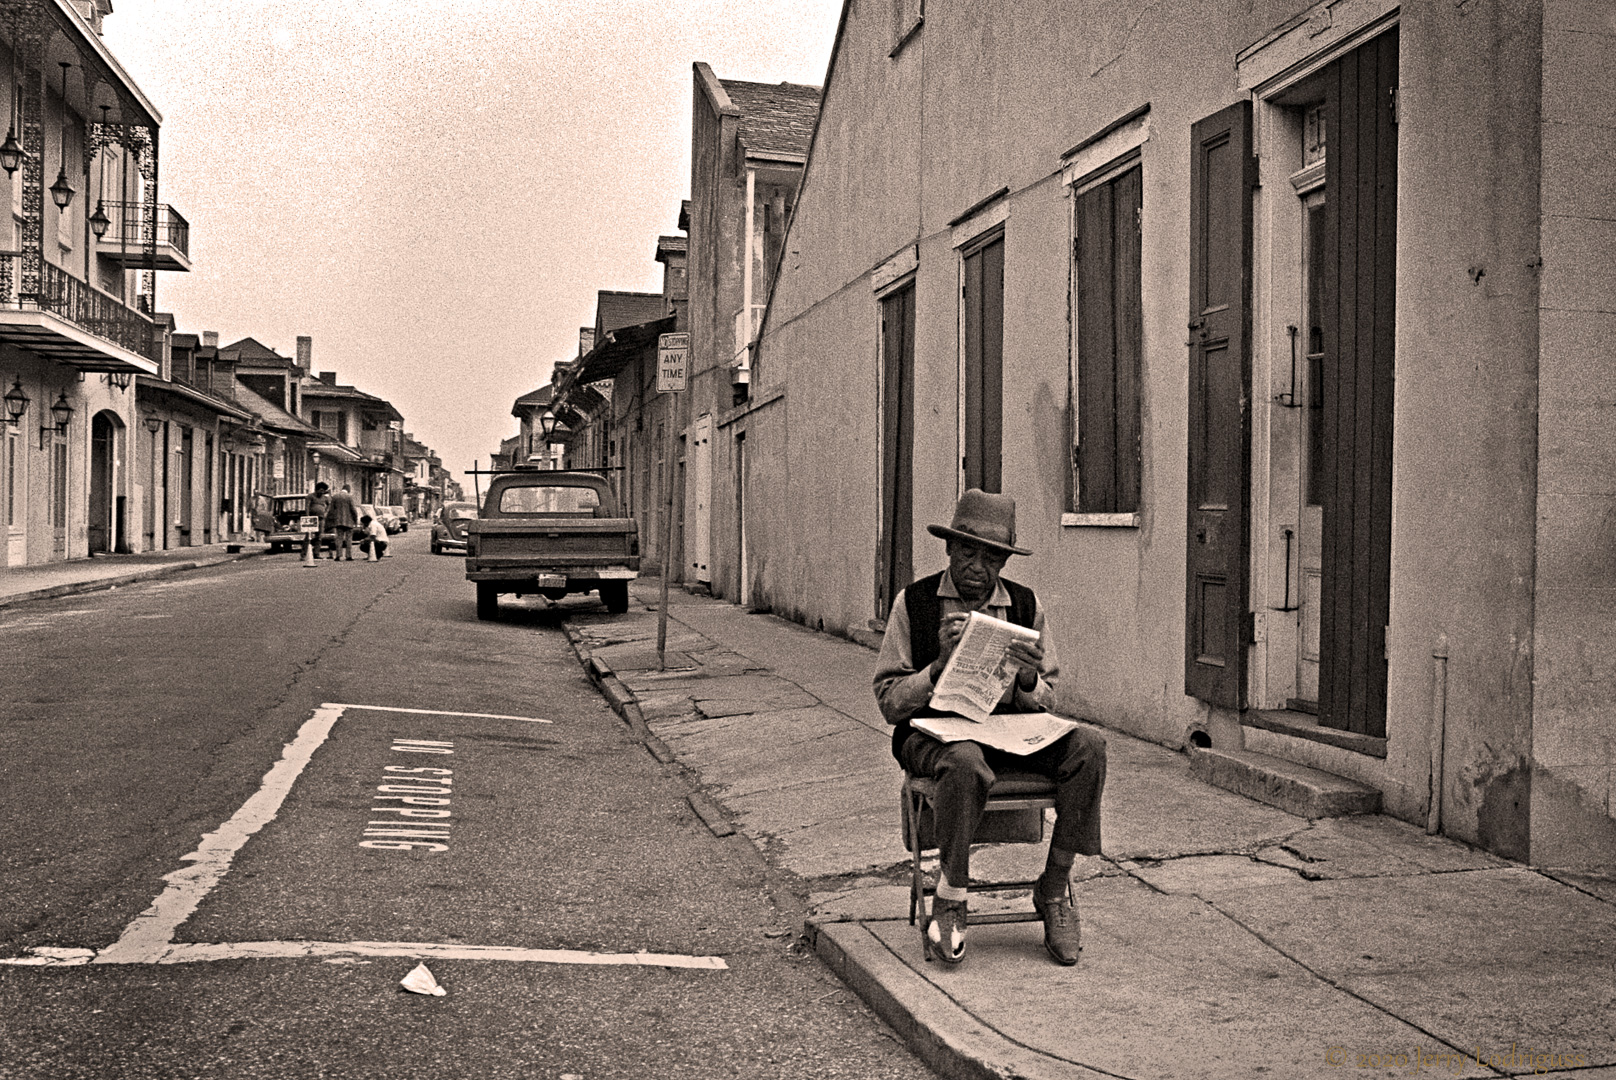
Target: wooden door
{"type": "Point", "coordinates": [1222, 177]}
{"type": "Point", "coordinates": [895, 564]}
{"type": "Point", "coordinates": [101, 458]}
{"type": "Point", "coordinates": [1360, 267]}
{"type": "Point", "coordinates": [701, 496]}
{"type": "Point", "coordinates": [982, 299]}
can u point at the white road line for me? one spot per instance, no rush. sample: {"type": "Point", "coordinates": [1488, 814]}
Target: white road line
{"type": "Point", "coordinates": [240, 950]}
{"type": "Point", "coordinates": [153, 929]}
{"type": "Point", "coordinates": [439, 712]}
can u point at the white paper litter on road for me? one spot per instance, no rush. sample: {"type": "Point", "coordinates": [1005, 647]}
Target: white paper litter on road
{"type": "Point", "coordinates": [420, 981]}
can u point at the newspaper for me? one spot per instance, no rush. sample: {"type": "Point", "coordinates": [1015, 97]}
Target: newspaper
{"type": "Point", "coordinates": [972, 684]}
{"type": "Point", "coordinates": [976, 675]}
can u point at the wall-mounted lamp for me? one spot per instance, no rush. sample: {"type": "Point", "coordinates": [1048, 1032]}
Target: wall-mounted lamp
{"type": "Point", "coordinates": [120, 379]}
{"type": "Point", "coordinates": [154, 424]}
{"type": "Point", "coordinates": [547, 424]}
{"type": "Point", "coordinates": [16, 403]}
{"type": "Point", "coordinates": [61, 416]}
{"type": "Point", "coordinates": [62, 191]}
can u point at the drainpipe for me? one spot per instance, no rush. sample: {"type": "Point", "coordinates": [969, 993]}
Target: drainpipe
{"type": "Point", "coordinates": [1439, 733]}
{"type": "Point", "coordinates": [746, 272]}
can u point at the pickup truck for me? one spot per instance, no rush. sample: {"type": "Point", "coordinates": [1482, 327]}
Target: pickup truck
{"type": "Point", "coordinates": [551, 533]}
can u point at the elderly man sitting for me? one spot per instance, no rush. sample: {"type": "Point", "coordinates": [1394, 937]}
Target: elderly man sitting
{"type": "Point", "coordinates": [925, 623]}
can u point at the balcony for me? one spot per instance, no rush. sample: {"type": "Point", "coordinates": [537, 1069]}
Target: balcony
{"type": "Point", "coordinates": [72, 323]}
{"type": "Point", "coordinates": [133, 224]}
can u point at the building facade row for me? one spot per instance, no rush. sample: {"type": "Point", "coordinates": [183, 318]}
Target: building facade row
{"type": "Point", "coordinates": [1284, 323]}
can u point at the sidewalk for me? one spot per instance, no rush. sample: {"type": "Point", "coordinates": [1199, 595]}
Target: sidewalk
{"type": "Point", "coordinates": [41, 582]}
{"type": "Point", "coordinates": [1222, 937]}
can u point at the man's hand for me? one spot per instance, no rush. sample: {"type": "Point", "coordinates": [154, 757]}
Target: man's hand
{"type": "Point", "coordinates": [949, 631]}
{"type": "Point", "coordinates": [1026, 657]}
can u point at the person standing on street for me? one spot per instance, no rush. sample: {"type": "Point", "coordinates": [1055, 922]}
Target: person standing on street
{"type": "Point", "coordinates": [926, 622]}
{"type": "Point", "coordinates": [344, 518]}
{"type": "Point", "coordinates": [320, 507]}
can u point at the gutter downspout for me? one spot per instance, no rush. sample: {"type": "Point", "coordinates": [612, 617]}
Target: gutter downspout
{"type": "Point", "coordinates": [1439, 733]}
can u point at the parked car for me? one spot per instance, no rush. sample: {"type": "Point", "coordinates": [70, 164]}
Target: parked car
{"type": "Point", "coordinates": [552, 533]}
{"type": "Point", "coordinates": [449, 527]}
{"type": "Point", "coordinates": [277, 517]}
{"type": "Point", "coordinates": [400, 517]}
{"type": "Point", "coordinates": [367, 510]}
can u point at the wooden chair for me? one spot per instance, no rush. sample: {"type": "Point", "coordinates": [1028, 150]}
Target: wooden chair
{"type": "Point", "coordinates": [1010, 792]}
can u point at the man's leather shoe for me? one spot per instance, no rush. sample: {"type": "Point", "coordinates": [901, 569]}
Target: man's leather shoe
{"type": "Point", "coordinates": [1063, 931]}
{"type": "Point", "coordinates": [945, 932]}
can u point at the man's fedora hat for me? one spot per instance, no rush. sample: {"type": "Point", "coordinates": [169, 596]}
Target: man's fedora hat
{"type": "Point", "coordinates": [982, 517]}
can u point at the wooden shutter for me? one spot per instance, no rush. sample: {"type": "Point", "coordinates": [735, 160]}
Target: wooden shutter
{"type": "Point", "coordinates": [983, 299]}
{"type": "Point", "coordinates": [1109, 322]}
{"type": "Point", "coordinates": [1360, 253]}
{"type": "Point", "coordinates": [1222, 176]}
{"type": "Point", "coordinates": [895, 552]}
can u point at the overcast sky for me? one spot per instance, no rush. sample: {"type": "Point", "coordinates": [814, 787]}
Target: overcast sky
{"type": "Point", "coordinates": [434, 190]}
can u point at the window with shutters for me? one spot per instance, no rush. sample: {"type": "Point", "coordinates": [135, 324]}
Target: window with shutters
{"type": "Point", "coordinates": [1108, 322]}
{"type": "Point", "coordinates": [982, 360]}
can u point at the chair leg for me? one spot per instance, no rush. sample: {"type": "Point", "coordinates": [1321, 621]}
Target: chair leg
{"type": "Point", "coordinates": [916, 883]}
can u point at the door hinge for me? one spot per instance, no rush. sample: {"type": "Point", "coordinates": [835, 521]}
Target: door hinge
{"type": "Point", "coordinates": [1392, 93]}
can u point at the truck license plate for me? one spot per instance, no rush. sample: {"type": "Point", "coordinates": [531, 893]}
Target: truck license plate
{"type": "Point", "coordinates": [551, 581]}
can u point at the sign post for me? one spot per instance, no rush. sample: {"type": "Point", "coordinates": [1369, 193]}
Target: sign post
{"type": "Point", "coordinates": [673, 363]}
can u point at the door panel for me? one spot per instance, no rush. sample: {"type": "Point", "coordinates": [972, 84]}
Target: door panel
{"type": "Point", "coordinates": [895, 552]}
{"type": "Point", "coordinates": [1222, 177]}
{"type": "Point", "coordinates": [983, 300]}
{"type": "Point", "coordinates": [1358, 367]}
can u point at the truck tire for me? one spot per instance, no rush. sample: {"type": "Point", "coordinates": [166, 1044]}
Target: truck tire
{"type": "Point", "coordinates": [487, 600]}
{"type": "Point", "coordinates": [614, 594]}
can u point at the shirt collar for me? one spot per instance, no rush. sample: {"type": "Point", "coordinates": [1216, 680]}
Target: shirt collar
{"type": "Point", "coordinates": [999, 599]}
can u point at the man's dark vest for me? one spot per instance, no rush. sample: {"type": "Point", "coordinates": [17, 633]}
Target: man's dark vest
{"type": "Point", "coordinates": [925, 610]}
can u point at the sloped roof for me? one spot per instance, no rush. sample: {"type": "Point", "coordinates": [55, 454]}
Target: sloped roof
{"type": "Point", "coordinates": [614, 310]}
{"type": "Point", "coordinates": [533, 399]}
{"type": "Point", "coordinates": [251, 351]}
{"type": "Point", "coordinates": [272, 415]}
{"type": "Point", "coordinates": [316, 388]}
{"type": "Point", "coordinates": [775, 117]}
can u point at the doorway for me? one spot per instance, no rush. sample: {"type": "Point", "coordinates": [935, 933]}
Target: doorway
{"type": "Point", "coordinates": [1333, 150]}
{"type": "Point", "coordinates": [105, 528]}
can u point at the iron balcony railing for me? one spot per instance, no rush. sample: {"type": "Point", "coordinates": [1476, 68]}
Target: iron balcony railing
{"type": "Point", "coordinates": [65, 296]}
{"type": "Point", "coordinates": [133, 222]}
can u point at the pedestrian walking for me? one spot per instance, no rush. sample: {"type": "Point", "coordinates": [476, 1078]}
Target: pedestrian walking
{"type": "Point", "coordinates": [925, 624]}
{"type": "Point", "coordinates": [344, 518]}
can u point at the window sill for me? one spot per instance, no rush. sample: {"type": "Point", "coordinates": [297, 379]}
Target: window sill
{"type": "Point", "coordinates": [1100, 521]}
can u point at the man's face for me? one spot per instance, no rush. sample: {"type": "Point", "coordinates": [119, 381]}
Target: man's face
{"type": "Point", "coordinates": [975, 569]}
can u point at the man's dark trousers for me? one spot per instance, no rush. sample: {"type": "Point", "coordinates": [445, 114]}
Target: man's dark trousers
{"type": "Point", "coordinates": [964, 772]}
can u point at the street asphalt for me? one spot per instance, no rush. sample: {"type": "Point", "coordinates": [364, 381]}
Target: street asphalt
{"type": "Point", "coordinates": [1222, 937]}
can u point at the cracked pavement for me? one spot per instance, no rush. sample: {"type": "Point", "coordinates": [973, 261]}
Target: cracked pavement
{"type": "Point", "coordinates": [1223, 937]}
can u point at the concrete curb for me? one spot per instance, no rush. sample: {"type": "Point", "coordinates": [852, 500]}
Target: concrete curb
{"type": "Point", "coordinates": [949, 1039]}
{"type": "Point", "coordinates": [945, 1036]}
{"type": "Point", "coordinates": [75, 588]}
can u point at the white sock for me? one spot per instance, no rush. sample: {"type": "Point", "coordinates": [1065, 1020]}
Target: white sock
{"type": "Point", "coordinates": [945, 891]}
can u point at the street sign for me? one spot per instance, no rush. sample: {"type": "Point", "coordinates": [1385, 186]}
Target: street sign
{"type": "Point", "coordinates": [673, 359]}
{"type": "Point", "coordinates": [308, 524]}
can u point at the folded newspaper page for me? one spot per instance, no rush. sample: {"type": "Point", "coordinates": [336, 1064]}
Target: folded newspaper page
{"type": "Point", "coordinates": [1014, 733]}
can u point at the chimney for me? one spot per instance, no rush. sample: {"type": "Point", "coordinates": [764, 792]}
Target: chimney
{"type": "Point", "coordinates": [305, 353]}
{"type": "Point", "coordinates": [210, 339]}
{"type": "Point", "coordinates": [328, 377]}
